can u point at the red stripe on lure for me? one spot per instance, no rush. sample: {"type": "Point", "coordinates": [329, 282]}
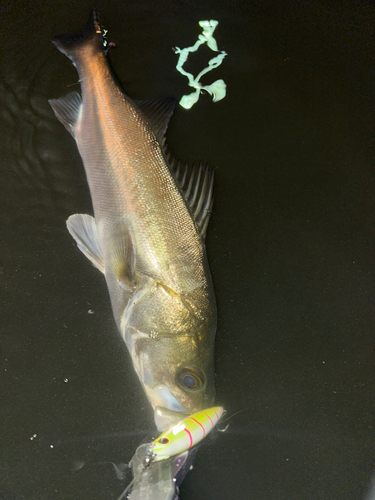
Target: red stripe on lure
{"type": "Point", "coordinates": [187, 433]}
{"type": "Point", "coordinates": [203, 429]}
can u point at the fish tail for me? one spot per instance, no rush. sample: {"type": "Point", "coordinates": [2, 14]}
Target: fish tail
{"type": "Point", "coordinates": [74, 45]}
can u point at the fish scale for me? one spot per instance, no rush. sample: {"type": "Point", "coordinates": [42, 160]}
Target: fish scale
{"type": "Point", "coordinates": [144, 237]}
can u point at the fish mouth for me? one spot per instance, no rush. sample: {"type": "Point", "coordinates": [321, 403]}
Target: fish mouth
{"type": "Point", "coordinates": [164, 418]}
{"type": "Point", "coordinates": [167, 410]}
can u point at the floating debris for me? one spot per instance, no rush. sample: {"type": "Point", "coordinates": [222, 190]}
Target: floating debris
{"type": "Point", "coordinates": [216, 89]}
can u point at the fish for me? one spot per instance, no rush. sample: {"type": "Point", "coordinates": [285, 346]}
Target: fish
{"type": "Point", "coordinates": [185, 434]}
{"type": "Point", "coordinates": [147, 235]}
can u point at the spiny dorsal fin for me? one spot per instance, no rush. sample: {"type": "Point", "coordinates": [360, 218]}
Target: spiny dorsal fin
{"type": "Point", "coordinates": [196, 185]}
{"type": "Point", "coordinates": [83, 229]}
{"type": "Point", "coordinates": [67, 110]}
{"type": "Point", "coordinates": [195, 182]}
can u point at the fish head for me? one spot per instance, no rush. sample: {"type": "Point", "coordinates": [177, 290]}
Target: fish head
{"type": "Point", "coordinates": [172, 349]}
{"type": "Point", "coordinates": [177, 376]}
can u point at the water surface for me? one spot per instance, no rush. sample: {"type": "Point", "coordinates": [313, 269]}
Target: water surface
{"type": "Point", "coordinates": [291, 244]}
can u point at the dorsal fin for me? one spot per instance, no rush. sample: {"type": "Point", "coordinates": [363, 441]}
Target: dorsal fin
{"type": "Point", "coordinates": [195, 182]}
{"type": "Point", "coordinates": [196, 185]}
{"type": "Point", "coordinates": [158, 113]}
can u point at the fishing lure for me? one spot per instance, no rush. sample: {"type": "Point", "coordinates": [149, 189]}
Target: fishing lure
{"type": "Point", "coordinates": [185, 434]}
{"type": "Point", "coordinates": [150, 476]}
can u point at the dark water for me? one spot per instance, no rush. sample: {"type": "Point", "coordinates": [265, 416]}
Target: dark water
{"type": "Point", "coordinates": [291, 245]}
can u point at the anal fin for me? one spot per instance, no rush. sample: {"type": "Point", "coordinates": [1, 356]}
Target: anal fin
{"type": "Point", "coordinates": [67, 110]}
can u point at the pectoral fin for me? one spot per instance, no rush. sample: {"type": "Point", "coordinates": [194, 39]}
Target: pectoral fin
{"type": "Point", "coordinates": [122, 254]}
{"type": "Point", "coordinates": [83, 229]}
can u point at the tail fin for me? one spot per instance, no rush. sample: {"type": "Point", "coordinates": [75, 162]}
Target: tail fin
{"type": "Point", "coordinates": [90, 37]}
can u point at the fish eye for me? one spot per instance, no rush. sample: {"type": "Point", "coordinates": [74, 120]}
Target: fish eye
{"type": "Point", "coordinates": [191, 379]}
{"type": "Point", "coordinates": [163, 440]}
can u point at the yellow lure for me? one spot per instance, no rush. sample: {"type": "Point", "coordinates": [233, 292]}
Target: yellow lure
{"type": "Point", "coordinates": [187, 433]}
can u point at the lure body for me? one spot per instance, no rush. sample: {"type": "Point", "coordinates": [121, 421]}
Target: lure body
{"type": "Point", "coordinates": [186, 433]}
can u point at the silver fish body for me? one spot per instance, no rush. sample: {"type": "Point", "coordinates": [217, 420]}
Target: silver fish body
{"type": "Point", "coordinates": [147, 236]}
